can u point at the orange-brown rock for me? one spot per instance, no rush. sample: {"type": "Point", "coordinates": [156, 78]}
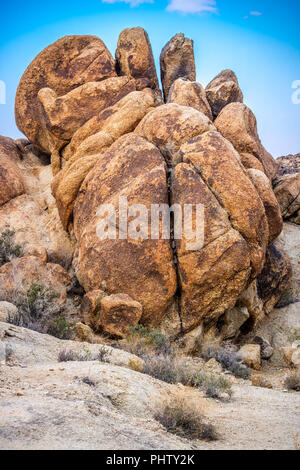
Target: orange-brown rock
{"type": "Point", "coordinates": [249, 161]}
{"type": "Point", "coordinates": [220, 167]}
{"type": "Point", "coordinates": [171, 125]}
{"type": "Point", "coordinates": [288, 195]}
{"type": "Point", "coordinates": [11, 182]}
{"type": "Point", "coordinates": [275, 277]}
{"type": "Point", "coordinates": [20, 274]}
{"type": "Point", "coordinates": [212, 276]}
{"type": "Point", "coordinates": [63, 115]}
{"type": "Point", "coordinates": [90, 308]}
{"type": "Point", "coordinates": [141, 268]}
{"type": "Point", "coordinates": [177, 61]}
{"type": "Point", "coordinates": [118, 313]}
{"type": "Point", "coordinates": [64, 65]}
{"type": "Point", "coordinates": [238, 124]}
{"type": "Point", "coordinates": [187, 93]}
{"type": "Point", "coordinates": [222, 90]}
{"type": "Point", "coordinates": [135, 58]}
{"type": "Point", "coordinates": [116, 120]}
{"type": "Point", "coordinates": [108, 125]}
{"type": "Point", "coordinates": [266, 194]}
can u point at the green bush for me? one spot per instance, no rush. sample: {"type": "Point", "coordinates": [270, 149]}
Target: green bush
{"type": "Point", "coordinates": [8, 249]}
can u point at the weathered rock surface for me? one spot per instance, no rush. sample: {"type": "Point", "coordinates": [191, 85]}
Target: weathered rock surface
{"type": "Point", "coordinates": [64, 65]}
{"type": "Point", "coordinates": [250, 353]}
{"type": "Point", "coordinates": [213, 276]}
{"type": "Point", "coordinates": [248, 217]}
{"type": "Point", "coordinates": [11, 182]}
{"type": "Point", "coordinates": [272, 209]}
{"type": "Point", "coordinates": [238, 124]}
{"type": "Point", "coordinates": [18, 276]}
{"type": "Point", "coordinates": [118, 313]}
{"type": "Point", "coordinates": [64, 115]}
{"type": "Point", "coordinates": [287, 187]}
{"type": "Point", "coordinates": [275, 277]}
{"type": "Point", "coordinates": [177, 61]}
{"type": "Point", "coordinates": [187, 93]}
{"type": "Point", "coordinates": [91, 306]}
{"type": "Point", "coordinates": [141, 268]}
{"type": "Point", "coordinates": [290, 242]}
{"type": "Point", "coordinates": [135, 58]}
{"type": "Point", "coordinates": [7, 310]}
{"type": "Point", "coordinates": [223, 90]}
{"type": "Point", "coordinates": [171, 125]}
{"type": "Point", "coordinates": [91, 141]}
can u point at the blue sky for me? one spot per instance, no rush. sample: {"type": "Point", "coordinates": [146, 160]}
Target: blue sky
{"type": "Point", "coordinates": [259, 40]}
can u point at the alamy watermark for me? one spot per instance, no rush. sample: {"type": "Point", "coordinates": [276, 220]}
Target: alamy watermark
{"type": "Point", "coordinates": [160, 221]}
{"type": "Point", "coordinates": [296, 94]}
{"type": "Point", "coordinates": [2, 92]}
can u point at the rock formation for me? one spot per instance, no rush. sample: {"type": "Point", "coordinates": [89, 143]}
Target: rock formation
{"type": "Point", "coordinates": [111, 138]}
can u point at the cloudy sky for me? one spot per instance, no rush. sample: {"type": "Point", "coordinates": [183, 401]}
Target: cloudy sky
{"type": "Point", "coordinates": [259, 40]}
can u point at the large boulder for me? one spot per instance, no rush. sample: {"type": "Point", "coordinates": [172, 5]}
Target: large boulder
{"type": "Point", "coordinates": [177, 61]}
{"type": "Point", "coordinates": [212, 276]}
{"type": "Point", "coordinates": [275, 277]}
{"type": "Point", "coordinates": [64, 115]}
{"type": "Point", "coordinates": [187, 93]}
{"type": "Point", "coordinates": [91, 141]}
{"type": "Point", "coordinates": [64, 65]}
{"type": "Point", "coordinates": [135, 58]}
{"type": "Point", "coordinates": [223, 90]}
{"type": "Point", "coordinates": [19, 275]}
{"type": "Point", "coordinates": [11, 181]}
{"type": "Point", "coordinates": [141, 268]}
{"type": "Point", "coordinates": [248, 216]}
{"type": "Point", "coordinates": [238, 124]}
{"type": "Point", "coordinates": [287, 187]}
{"type": "Point", "coordinates": [266, 194]}
{"type": "Point", "coordinates": [289, 240]}
{"type": "Point", "coordinates": [118, 313]}
{"type": "Point", "coordinates": [171, 125]}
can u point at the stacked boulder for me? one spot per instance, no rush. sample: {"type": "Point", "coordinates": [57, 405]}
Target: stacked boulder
{"type": "Point", "coordinates": [110, 134]}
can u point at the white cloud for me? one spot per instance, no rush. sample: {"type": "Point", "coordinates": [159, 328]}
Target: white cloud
{"type": "Point", "coordinates": [256, 13]}
{"type": "Point", "coordinates": [132, 3]}
{"type": "Point", "coordinates": [192, 6]}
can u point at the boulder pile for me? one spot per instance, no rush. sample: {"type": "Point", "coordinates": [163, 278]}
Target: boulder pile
{"type": "Point", "coordinates": [110, 133]}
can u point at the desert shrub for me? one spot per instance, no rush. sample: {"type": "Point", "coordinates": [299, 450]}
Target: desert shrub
{"type": "Point", "coordinates": [8, 249]}
{"type": "Point", "coordinates": [103, 354]}
{"type": "Point", "coordinates": [182, 417]}
{"type": "Point", "coordinates": [229, 359]}
{"type": "Point", "coordinates": [39, 311]}
{"type": "Point", "coordinates": [140, 339]}
{"type": "Point", "coordinates": [175, 370]}
{"type": "Point", "coordinates": [292, 382]}
{"type": "Point", "coordinates": [68, 355]}
{"type": "Point", "coordinates": [135, 365]}
{"type": "Point", "coordinates": [214, 386]}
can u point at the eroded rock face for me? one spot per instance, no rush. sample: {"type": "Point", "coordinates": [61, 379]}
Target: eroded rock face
{"type": "Point", "coordinates": [238, 124]}
{"type": "Point", "coordinates": [275, 278]}
{"type": "Point", "coordinates": [287, 187]}
{"type": "Point", "coordinates": [112, 139]}
{"type": "Point", "coordinates": [118, 313]}
{"type": "Point", "coordinates": [64, 65]}
{"type": "Point", "coordinates": [171, 125]}
{"type": "Point", "coordinates": [177, 61]}
{"type": "Point", "coordinates": [135, 58]}
{"type": "Point", "coordinates": [223, 90]}
{"type": "Point", "coordinates": [20, 274]}
{"type": "Point", "coordinates": [143, 269]}
{"type": "Point", "coordinates": [11, 182]}
{"type": "Point", "coordinates": [187, 93]}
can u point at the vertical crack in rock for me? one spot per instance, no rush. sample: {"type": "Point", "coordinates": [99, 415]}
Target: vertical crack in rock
{"type": "Point", "coordinates": [178, 293]}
